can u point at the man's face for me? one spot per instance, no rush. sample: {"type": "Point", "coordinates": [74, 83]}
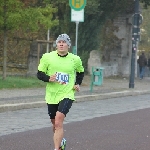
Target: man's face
{"type": "Point", "coordinates": [62, 46]}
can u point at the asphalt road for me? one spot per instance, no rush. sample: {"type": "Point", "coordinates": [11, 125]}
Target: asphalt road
{"type": "Point", "coordinates": [112, 124]}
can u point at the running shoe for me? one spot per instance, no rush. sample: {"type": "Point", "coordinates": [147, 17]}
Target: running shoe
{"type": "Point", "coordinates": [63, 144]}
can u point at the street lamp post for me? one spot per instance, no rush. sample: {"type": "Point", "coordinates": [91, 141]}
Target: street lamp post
{"type": "Point", "coordinates": [135, 39]}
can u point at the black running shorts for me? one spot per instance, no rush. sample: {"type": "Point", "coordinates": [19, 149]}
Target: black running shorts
{"type": "Point", "coordinates": [63, 107]}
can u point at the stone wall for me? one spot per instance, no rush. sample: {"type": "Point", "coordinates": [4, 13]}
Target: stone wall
{"type": "Point", "coordinates": [120, 61]}
{"type": "Point", "coordinates": [33, 59]}
{"type": "Point", "coordinates": [94, 60]}
{"type": "Point", "coordinates": [125, 32]}
{"type": "Point", "coordinates": [119, 64]}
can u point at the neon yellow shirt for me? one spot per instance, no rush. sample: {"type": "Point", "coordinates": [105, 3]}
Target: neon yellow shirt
{"type": "Point", "coordinates": [65, 68]}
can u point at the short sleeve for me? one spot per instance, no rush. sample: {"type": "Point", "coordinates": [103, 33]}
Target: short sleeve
{"type": "Point", "coordinates": [43, 64]}
{"type": "Point", "coordinates": [79, 66]}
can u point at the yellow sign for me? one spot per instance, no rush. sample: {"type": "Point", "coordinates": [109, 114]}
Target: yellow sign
{"type": "Point", "coordinates": [77, 4]}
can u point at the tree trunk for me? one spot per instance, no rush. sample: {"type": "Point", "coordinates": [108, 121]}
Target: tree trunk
{"type": "Point", "coordinates": [5, 55]}
{"type": "Point", "coordinates": [5, 43]}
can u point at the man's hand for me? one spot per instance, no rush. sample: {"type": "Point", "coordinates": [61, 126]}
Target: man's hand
{"type": "Point", "coordinates": [76, 87]}
{"type": "Point", "coordinates": [52, 78]}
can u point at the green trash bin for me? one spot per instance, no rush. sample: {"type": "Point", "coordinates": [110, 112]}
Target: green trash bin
{"type": "Point", "coordinates": [96, 77]}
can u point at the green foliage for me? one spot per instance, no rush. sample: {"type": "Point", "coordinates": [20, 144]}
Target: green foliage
{"type": "Point", "coordinates": [33, 15]}
{"type": "Point", "coordinates": [144, 43]}
{"type": "Point", "coordinates": [63, 15]}
{"type": "Point", "coordinates": [15, 15]}
{"type": "Point", "coordinates": [145, 2]}
{"type": "Point", "coordinates": [9, 13]}
{"type": "Point", "coordinates": [96, 13]}
{"type": "Point", "coordinates": [92, 33]}
{"type": "Point", "coordinates": [89, 29]}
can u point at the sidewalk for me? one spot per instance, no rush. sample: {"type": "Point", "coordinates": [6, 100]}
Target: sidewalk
{"type": "Point", "coordinates": [16, 99]}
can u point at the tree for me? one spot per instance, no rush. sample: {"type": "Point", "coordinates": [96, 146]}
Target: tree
{"type": "Point", "coordinates": [144, 43]}
{"type": "Point", "coordinates": [16, 15]}
{"type": "Point", "coordinates": [109, 41]}
{"type": "Point", "coordinates": [29, 15]}
{"type": "Point", "coordinates": [145, 2]}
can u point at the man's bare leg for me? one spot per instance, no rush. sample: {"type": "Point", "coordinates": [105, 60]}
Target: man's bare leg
{"type": "Point", "coordinates": [53, 122]}
{"type": "Point", "coordinates": [58, 134]}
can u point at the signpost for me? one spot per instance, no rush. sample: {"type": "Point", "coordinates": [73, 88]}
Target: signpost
{"type": "Point", "coordinates": [77, 15]}
{"type": "Point", "coordinates": [137, 20]}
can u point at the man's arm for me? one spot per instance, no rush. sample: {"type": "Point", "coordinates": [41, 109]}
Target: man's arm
{"type": "Point", "coordinates": [79, 78]}
{"type": "Point", "coordinates": [42, 76]}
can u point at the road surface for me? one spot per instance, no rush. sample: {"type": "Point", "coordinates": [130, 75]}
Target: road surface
{"type": "Point", "coordinates": [112, 124]}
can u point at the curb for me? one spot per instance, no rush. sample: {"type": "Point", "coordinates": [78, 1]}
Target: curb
{"type": "Point", "coordinates": [84, 98]}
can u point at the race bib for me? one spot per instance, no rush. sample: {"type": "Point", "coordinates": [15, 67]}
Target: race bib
{"type": "Point", "coordinates": [63, 78]}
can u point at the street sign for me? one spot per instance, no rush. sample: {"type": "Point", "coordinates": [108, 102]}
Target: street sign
{"type": "Point", "coordinates": [77, 4]}
{"type": "Point", "coordinates": [77, 15]}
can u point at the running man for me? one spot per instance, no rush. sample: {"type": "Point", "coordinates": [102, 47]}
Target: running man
{"type": "Point", "coordinates": [63, 72]}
